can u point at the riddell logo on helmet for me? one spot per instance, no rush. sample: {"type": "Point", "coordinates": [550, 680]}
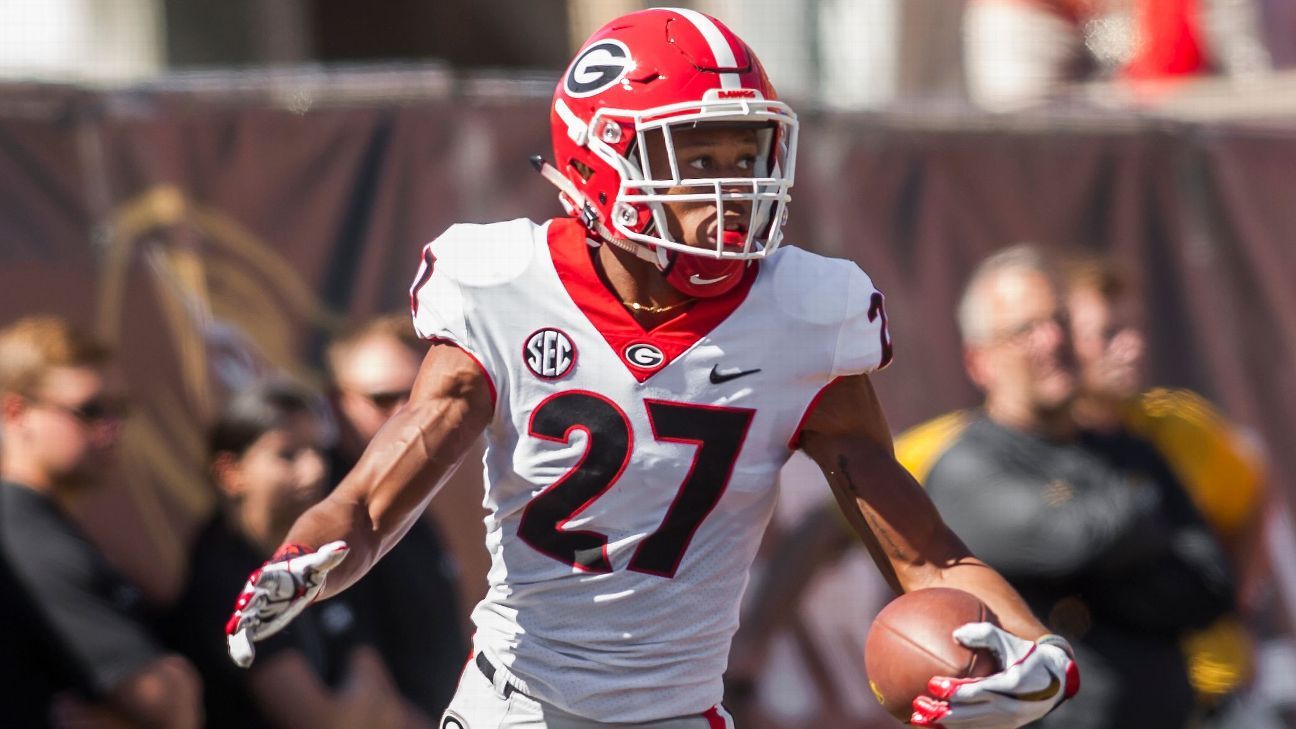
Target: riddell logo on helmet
{"type": "Point", "coordinates": [597, 68]}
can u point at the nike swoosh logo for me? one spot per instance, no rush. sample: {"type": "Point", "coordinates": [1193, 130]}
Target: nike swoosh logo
{"type": "Point", "coordinates": [1043, 694]}
{"type": "Point", "coordinates": [699, 281]}
{"type": "Point", "coordinates": [718, 377]}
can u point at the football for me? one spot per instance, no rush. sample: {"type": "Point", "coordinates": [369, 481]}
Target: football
{"type": "Point", "coordinates": [912, 640]}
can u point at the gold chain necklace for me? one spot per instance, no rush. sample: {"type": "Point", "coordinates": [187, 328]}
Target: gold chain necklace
{"type": "Point", "coordinates": [638, 308]}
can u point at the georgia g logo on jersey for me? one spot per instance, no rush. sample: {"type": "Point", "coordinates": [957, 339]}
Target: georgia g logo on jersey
{"type": "Point", "coordinates": [644, 356]}
{"type": "Point", "coordinates": [597, 68]}
{"type": "Point", "coordinates": [549, 353]}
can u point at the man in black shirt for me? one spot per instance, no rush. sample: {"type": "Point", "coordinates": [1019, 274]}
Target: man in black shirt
{"type": "Point", "coordinates": [76, 641]}
{"type": "Point", "coordinates": [415, 624]}
{"type": "Point", "coordinates": [1092, 529]}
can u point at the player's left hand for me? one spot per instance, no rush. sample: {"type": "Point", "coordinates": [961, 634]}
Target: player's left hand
{"type": "Point", "coordinates": [277, 593]}
{"type": "Point", "coordinates": [1037, 676]}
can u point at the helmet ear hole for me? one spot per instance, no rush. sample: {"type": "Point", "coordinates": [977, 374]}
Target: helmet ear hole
{"type": "Point", "coordinates": [582, 169]}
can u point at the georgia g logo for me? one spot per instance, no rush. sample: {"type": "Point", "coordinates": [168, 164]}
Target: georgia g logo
{"type": "Point", "coordinates": [549, 353]}
{"type": "Point", "coordinates": [597, 68]}
{"type": "Point", "coordinates": [644, 356]}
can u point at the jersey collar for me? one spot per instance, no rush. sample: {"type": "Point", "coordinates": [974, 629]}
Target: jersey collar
{"type": "Point", "coordinates": [670, 339]}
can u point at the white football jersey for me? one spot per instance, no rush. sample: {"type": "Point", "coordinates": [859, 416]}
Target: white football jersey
{"type": "Point", "coordinates": [630, 474]}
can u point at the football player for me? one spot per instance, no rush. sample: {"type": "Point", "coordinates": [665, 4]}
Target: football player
{"type": "Point", "coordinates": [641, 369]}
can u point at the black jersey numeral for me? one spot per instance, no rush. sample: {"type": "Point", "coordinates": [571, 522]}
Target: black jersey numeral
{"type": "Point", "coordinates": [876, 309]}
{"type": "Point", "coordinates": [718, 433]}
{"type": "Point", "coordinates": [607, 452]}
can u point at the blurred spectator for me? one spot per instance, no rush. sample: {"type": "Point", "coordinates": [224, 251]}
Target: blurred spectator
{"type": "Point", "coordinates": [1209, 455]}
{"type": "Point", "coordinates": [1093, 528]}
{"type": "Point", "coordinates": [1206, 454]}
{"type": "Point", "coordinates": [76, 650]}
{"type": "Point", "coordinates": [268, 465]}
{"type": "Point", "coordinates": [416, 625]}
{"type": "Point", "coordinates": [1211, 460]}
{"type": "Point", "coordinates": [1018, 52]}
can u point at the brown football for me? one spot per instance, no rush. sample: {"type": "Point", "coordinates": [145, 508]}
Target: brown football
{"type": "Point", "coordinates": [912, 640]}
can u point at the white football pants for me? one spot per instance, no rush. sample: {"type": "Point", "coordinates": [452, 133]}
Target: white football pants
{"type": "Point", "coordinates": [479, 704]}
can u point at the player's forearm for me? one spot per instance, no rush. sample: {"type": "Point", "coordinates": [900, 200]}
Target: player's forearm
{"type": "Point", "coordinates": [339, 517]}
{"type": "Point", "coordinates": [887, 509]}
{"type": "Point", "coordinates": [974, 576]}
{"type": "Point", "coordinates": [400, 471]}
{"type": "Point", "coordinates": [903, 531]}
{"type": "Point", "coordinates": [944, 561]}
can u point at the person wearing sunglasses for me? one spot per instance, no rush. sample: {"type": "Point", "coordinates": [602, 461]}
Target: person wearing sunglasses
{"type": "Point", "coordinates": [415, 624]}
{"type": "Point", "coordinates": [78, 646]}
{"type": "Point", "coordinates": [372, 367]}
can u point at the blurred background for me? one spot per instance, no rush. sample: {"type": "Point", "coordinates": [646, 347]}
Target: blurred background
{"type": "Point", "coordinates": [217, 188]}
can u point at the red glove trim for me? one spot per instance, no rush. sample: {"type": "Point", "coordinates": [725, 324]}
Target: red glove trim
{"type": "Point", "coordinates": [928, 712]}
{"type": "Point", "coordinates": [1072, 680]}
{"type": "Point", "coordinates": [290, 550]}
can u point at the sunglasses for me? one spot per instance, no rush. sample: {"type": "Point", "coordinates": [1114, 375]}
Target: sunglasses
{"type": "Point", "coordinates": [386, 400]}
{"type": "Point", "coordinates": [96, 410]}
{"type": "Point", "coordinates": [1021, 331]}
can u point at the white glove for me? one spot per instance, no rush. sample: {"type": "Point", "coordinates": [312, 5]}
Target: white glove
{"type": "Point", "coordinates": [277, 593]}
{"type": "Point", "coordinates": [1036, 678]}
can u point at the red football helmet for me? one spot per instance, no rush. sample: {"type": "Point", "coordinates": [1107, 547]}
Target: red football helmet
{"type": "Point", "coordinates": [663, 69]}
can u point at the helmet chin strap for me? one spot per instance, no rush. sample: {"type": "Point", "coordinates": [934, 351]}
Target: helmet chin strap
{"type": "Point", "coordinates": [647, 253]}
{"type": "Point", "coordinates": [565, 186]}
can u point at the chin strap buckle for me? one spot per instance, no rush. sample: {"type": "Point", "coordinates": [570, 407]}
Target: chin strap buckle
{"type": "Point", "coordinates": [588, 215]}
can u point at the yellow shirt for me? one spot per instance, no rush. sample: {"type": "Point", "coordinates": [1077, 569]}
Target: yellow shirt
{"type": "Point", "coordinates": [1204, 450]}
{"type": "Point", "coordinates": [921, 446]}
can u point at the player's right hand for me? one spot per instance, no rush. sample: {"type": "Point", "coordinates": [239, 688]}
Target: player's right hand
{"type": "Point", "coordinates": [277, 593]}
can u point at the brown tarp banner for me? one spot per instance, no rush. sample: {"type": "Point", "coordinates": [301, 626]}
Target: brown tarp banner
{"type": "Point", "coordinates": [214, 236]}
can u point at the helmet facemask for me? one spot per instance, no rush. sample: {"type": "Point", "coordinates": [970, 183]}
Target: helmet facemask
{"type": "Point", "coordinates": [638, 212]}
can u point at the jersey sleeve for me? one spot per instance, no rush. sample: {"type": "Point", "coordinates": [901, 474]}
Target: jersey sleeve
{"type": "Point", "coordinates": [864, 341]}
{"type": "Point", "coordinates": [461, 271]}
{"type": "Point", "coordinates": [436, 302]}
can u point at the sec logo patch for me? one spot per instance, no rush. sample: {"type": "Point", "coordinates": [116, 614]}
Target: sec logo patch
{"type": "Point", "coordinates": [452, 720]}
{"type": "Point", "coordinates": [549, 353]}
